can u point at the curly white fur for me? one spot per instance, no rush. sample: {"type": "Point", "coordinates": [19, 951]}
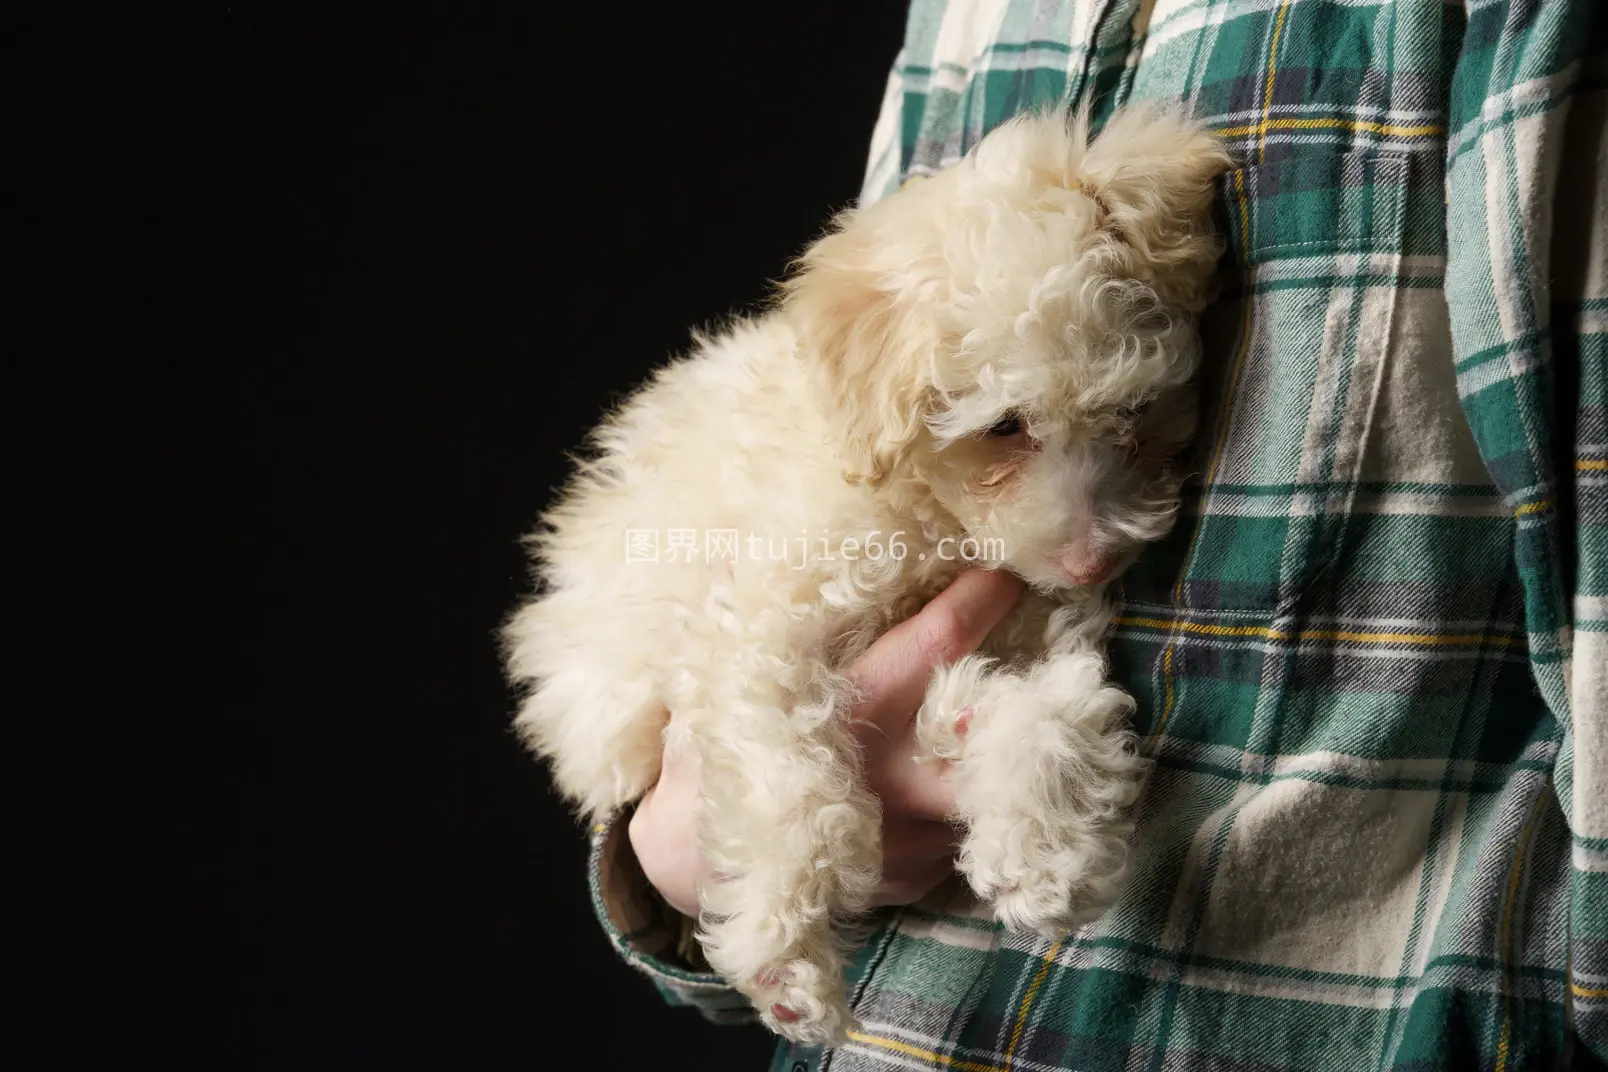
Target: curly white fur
{"type": "Point", "coordinates": [1002, 351]}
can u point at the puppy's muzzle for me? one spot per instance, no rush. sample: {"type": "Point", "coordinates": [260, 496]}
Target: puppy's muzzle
{"type": "Point", "coordinates": [1084, 566]}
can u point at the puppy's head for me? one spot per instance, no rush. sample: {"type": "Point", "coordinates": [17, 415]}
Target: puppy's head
{"type": "Point", "coordinates": [1013, 338]}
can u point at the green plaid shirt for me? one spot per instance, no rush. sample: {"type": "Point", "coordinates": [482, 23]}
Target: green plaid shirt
{"type": "Point", "coordinates": [1372, 659]}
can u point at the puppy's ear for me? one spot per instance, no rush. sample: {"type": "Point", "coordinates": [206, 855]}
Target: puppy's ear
{"type": "Point", "coordinates": [855, 301]}
{"type": "Point", "coordinates": [1151, 175]}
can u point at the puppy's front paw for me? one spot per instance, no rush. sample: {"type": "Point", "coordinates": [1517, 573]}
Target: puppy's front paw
{"type": "Point", "coordinates": [947, 709]}
{"type": "Point", "coordinates": [1043, 880]}
{"type": "Point", "coordinates": [799, 1001]}
{"type": "Point", "coordinates": [1047, 787]}
{"type": "Point", "coordinates": [1035, 900]}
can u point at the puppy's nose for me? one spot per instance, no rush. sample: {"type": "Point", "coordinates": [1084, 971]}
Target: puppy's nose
{"type": "Point", "coordinates": [1083, 566]}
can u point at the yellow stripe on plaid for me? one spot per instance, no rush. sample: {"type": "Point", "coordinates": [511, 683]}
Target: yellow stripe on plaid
{"type": "Point", "coordinates": [1272, 78]}
{"type": "Point", "coordinates": [1265, 632]}
{"type": "Point", "coordinates": [942, 1059]}
{"type": "Point", "coordinates": [1027, 1001]}
{"type": "Point", "coordinates": [1350, 126]}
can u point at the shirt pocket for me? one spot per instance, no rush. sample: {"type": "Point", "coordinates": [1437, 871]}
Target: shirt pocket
{"type": "Point", "coordinates": [1332, 318]}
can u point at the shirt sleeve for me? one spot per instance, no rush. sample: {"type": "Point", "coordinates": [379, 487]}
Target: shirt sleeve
{"type": "Point", "coordinates": [654, 938]}
{"type": "Point", "coordinates": [1527, 291]}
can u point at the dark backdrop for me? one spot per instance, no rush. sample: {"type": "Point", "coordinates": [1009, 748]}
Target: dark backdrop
{"type": "Point", "coordinates": [389, 269]}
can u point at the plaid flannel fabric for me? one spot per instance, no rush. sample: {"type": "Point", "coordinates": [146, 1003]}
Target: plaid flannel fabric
{"type": "Point", "coordinates": [1372, 659]}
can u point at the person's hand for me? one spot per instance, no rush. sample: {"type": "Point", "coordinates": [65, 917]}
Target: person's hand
{"type": "Point", "coordinates": [918, 841]}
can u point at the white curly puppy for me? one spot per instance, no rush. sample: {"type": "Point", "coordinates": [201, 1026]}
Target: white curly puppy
{"type": "Point", "coordinates": [1001, 352]}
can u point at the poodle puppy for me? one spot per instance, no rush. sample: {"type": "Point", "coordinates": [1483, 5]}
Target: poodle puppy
{"type": "Point", "coordinates": [992, 365]}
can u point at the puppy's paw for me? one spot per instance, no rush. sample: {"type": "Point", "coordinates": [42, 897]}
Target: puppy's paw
{"type": "Point", "coordinates": [1052, 881]}
{"type": "Point", "coordinates": [947, 709]}
{"type": "Point", "coordinates": [802, 1003]}
{"type": "Point", "coordinates": [1023, 897]}
{"type": "Point", "coordinates": [1038, 901]}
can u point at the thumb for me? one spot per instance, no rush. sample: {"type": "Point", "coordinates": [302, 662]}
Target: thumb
{"type": "Point", "coordinates": [892, 675]}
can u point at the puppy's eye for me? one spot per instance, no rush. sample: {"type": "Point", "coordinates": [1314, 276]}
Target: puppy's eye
{"type": "Point", "coordinates": [1007, 426]}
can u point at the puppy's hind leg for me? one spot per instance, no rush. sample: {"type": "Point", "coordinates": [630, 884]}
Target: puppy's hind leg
{"type": "Point", "coordinates": [794, 839]}
{"type": "Point", "coordinates": [592, 705]}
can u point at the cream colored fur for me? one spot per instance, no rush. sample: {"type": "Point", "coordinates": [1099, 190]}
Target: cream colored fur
{"type": "Point", "coordinates": [1038, 280]}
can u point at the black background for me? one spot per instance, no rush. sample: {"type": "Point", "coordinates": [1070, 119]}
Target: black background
{"type": "Point", "coordinates": [389, 268]}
